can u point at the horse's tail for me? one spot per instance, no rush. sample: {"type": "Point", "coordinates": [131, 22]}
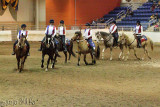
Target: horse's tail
{"type": "Point", "coordinates": [98, 52]}
{"type": "Point", "coordinates": [151, 43]}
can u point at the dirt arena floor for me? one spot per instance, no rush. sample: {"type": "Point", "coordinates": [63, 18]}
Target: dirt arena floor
{"type": "Point", "coordinates": [114, 83]}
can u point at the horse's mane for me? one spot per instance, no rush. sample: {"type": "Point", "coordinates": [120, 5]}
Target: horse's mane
{"type": "Point", "coordinates": [103, 33]}
{"type": "Point", "coordinates": [125, 36]}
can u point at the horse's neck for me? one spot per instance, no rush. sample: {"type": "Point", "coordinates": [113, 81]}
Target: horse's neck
{"type": "Point", "coordinates": [129, 39]}
{"type": "Point", "coordinates": [105, 36]}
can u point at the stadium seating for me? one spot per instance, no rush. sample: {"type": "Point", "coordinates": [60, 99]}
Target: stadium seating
{"type": "Point", "coordinates": [113, 14]}
{"type": "Point", "coordinates": [143, 13]}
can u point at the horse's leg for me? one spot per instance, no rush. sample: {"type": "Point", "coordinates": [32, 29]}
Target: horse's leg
{"type": "Point", "coordinates": [42, 60]}
{"type": "Point", "coordinates": [135, 54]}
{"type": "Point", "coordinates": [79, 55]}
{"type": "Point", "coordinates": [69, 56]}
{"type": "Point", "coordinates": [85, 59]}
{"type": "Point", "coordinates": [48, 62]}
{"type": "Point", "coordinates": [65, 53]}
{"type": "Point", "coordinates": [144, 48]}
{"type": "Point", "coordinates": [103, 52]}
{"type": "Point", "coordinates": [111, 48]}
{"type": "Point", "coordinates": [54, 61]}
{"type": "Point", "coordinates": [147, 52]}
{"type": "Point", "coordinates": [121, 53]}
{"type": "Point", "coordinates": [18, 61]}
{"type": "Point", "coordinates": [128, 52]}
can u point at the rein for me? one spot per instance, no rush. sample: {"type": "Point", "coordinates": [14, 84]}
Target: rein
{"type": "Point", "coordinates": [132, 42]}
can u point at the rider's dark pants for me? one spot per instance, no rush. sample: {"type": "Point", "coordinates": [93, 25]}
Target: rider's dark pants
{"type": "Point", "coordinates": [63, 40]}
{"type": "Point", "coordinates": [115, 42]}
{"type": "Point", "coordinates": [139, 40]}
{"type": "Point", "coordinates": [28, 45]}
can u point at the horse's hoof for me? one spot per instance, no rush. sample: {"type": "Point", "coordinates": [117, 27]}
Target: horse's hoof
{"type": "Point", "coordinates": [52, 67]}
{"type": "Point", "coordinates": [46, 69]}
{"type": "Point", "coordinates": [42, 66]}
{"type": "Point", "coordinates": [110, 59]}
{"type": "Point", "coordinates": [94, 62]}
{"type": "Point", "coordinates": [86, 63]}
{"type": "Point", "coordinates": [78, 64]}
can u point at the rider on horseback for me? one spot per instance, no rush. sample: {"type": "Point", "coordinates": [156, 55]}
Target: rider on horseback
{"type": "Point", "coordinates": [88, 36]}
{"type": "Point", "coordinates": [62, 33]}
{"type": "Point", "coordinates": [138, 33]}
{"type": "Point", "coordinates": [23, 32]}
{"type": "Point", "coordinates": [50, 31]}
{"type": "Point", "coordinates": [114, 31]}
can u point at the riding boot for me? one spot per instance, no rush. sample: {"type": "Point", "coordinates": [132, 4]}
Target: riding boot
{"type": "Point", "coordinates": [93, 51]}
{"type": "Point", "coordinates": [13, 53]}
{"type": "Point", "coordinates": [28, 53]}
{"type": "Point", "coordinates": [65, 49]}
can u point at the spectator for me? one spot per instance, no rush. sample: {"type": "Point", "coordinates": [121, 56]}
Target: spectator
{"type": "Point", "coordinates": [153, 7]}
{"type": "Point", "coordinates": [153, 19]}
{"type": "Point", "coordinates": [156, 27]}
{"type": "Point", "coordinates": [157, 17]}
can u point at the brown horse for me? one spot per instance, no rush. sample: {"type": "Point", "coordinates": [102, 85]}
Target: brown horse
{"type": "Point", "coordinates": [21, 52]}
{"type": "Point", "coordinates": [84, 49]}
{"type": "Point", "coordinates": [130, 42]}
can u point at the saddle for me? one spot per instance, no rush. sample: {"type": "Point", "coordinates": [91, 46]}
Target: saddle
{"type": "Point", "coordinates": [144, 38]}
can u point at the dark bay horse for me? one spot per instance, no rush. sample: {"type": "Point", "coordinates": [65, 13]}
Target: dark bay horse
{"type": "Point", "coordinates": [84, 49]}
{"type": "Point", "coordinates": [21, 52]}
{"type": "Point", "coordinates": [61, 49]}
{"type": "Point", "coordinates": [48, 48]}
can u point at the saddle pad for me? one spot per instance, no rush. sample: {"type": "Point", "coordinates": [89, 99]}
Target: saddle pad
{"type": "Point", "coordinates": [144, 38]}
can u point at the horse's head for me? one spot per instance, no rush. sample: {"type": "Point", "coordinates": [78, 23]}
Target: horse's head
{"type": "Point", "coordinates": [122, 39]}
{"type": "Point", "coordinates": [21, 41]}
{"type": "Point", "coordinates": [77, 36]}
{"type": "Point", "coordinates": [48, 41]}
{"type": "Point", "coordinates": [98, 36]}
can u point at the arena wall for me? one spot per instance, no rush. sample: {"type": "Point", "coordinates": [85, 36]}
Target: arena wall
{"type": "Point", "coordinates": [86, 10]}
{"type": "Point", "coordinates": [5, 36]}
{"type": "Point", "coordinates": [25, 13]}
{"type": "Point", "coordinates": [35, 35]}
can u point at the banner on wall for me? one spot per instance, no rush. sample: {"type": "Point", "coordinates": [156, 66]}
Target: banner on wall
{"type": "Point", "coordinates": [14, 4]}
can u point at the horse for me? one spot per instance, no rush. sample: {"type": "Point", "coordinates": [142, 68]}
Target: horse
{"type": "Point", "coordinates": [48, 48]}
{"type": "Point", "coordinates": [21, 52]}
{"type": "Point", "coordinates": [130, 42]}
{"type": "Point", "coordinates": [69, 45]}
{"type": "Point", "coordinates": [84, 49]}
{"type": "Point", "coordinates": [61, 49]}
{"type": "Point", "coordinates": [108, 42]}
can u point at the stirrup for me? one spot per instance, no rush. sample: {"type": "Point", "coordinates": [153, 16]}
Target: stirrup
{"type": "Point", "coordinates": [40, 49]}
{"type": "Point", "coordinates": [13, 53]}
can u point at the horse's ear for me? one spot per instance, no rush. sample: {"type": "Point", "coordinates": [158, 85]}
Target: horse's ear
{"type": "Point", "coordinates": [80, 28]}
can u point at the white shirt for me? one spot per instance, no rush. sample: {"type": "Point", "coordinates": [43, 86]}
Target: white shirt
{"type": "Point", "coordinates": [51, 30]}
{"type": "Point", "coordinates": [138, 30]}
{"type": "Point", "coordinates": [112, 28]}
{"type": "Point", "coordinates": [87, 33]}
{"type": "Point", "coordinates": [24, 32]}
{"type": "Point", "coordinates": [62, 30]}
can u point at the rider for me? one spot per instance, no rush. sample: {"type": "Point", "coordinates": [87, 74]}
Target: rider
{"type": "Point", "coordinates": [50, 31]}
{"type": "Point", "coordinates": [114, 31]}
{"type": "Point", "coordinates": [88, 36]}
{"type": "Point", "coordinates": [138, 33]}
{"type": "Point", "coordinates": [62, 33]}
{"type": "Point", "coordinates": [25, 33]}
